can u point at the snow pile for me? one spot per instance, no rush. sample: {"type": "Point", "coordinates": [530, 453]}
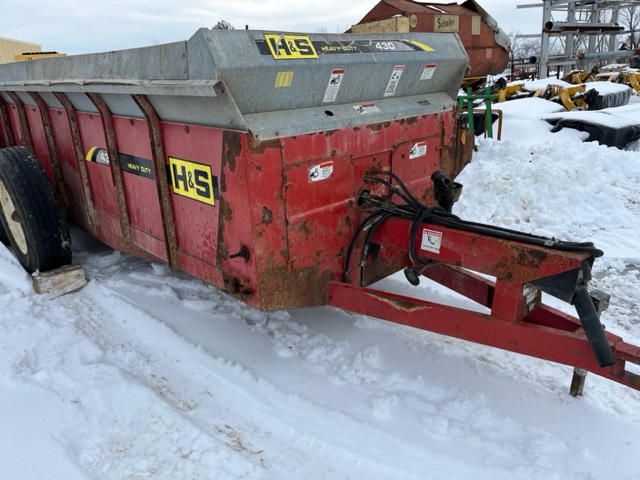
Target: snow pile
{"type": "Point", "coordinates": [150, 374]}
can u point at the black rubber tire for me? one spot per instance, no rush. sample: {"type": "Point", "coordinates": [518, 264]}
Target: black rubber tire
{"type": "Point", "coordinates": [29, 212]}
{"type": "Point", "coordinates": [3, 236]}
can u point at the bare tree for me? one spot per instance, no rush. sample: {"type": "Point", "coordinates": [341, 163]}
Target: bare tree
{"type": "Point", "coordinates": [630, 19]}
{"type": "Point", "coordinates": [223, 25]}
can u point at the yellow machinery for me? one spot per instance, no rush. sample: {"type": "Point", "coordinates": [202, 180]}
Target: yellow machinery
{"type": "Point", "coordinates": [33, 55]}
{"type": "Point", "coordinates": [630, 78]}
{"type": "Point", "coordinates": [577, 77]}
{"type": "Point", "coordinates": [573, 97]}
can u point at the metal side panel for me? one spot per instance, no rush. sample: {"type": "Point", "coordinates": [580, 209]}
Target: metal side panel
{"type": "Point", "coordinates": [159, 62]}
{"type": "Point", "coordinates": [289, 123]}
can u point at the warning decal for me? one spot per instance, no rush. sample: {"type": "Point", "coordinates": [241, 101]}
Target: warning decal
{"type": "Point", "coordinates": [193, 180]}
{"type": "Point", "coordinates": [394, 80]}
{"type": "Point", "coordinates": [366, 108]}
{"type": "Point", "coordinates": [333, 86]}
{"type": "Point", "coordinates": [321, 171]}
{"type": "Point", "coordinates": [418, 150]}
{"type": "Point", "coordinates": [431, 240]}
{"type": "Point", "coordinates": [428, 71]}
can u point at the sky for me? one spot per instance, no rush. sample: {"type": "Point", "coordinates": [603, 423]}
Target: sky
{"type": "Point", "coordinates": [75, 26]}
{"type": "Point", "coordinates": [150, 374]}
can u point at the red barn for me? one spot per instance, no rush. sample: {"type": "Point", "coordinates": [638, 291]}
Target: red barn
{"type": "Point", "coordinates": [486, 44]}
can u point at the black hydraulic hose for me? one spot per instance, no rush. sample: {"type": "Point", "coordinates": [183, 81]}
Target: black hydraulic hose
{"type": "Point", "coordinates": [507, 234]}
{"type": "Point", "coordinates": [440, 216]}
{"type": "Point", "coordinates": [401, 184]}
{"type": "Point", "coordinates": [397, 191]}
{"type": "Point", "coordinates": [367, 241]}
{"type": "Point", "coordinates": [593, 328]}
{"type": "Point", "coordinates": [363, 224]}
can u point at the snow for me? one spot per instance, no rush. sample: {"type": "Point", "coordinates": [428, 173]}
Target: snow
{"type": "Point", "coordinates": [151, 374]}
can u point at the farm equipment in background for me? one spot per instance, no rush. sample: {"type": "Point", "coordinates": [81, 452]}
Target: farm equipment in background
{"type": "Point", "coordinates": [576, 77]}
{"type": "Point", "coordinates": [289, 170]}
{"type": "Point", "coordinates": [574, 97]}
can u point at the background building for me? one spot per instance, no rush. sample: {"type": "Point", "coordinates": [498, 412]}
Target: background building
{"type": "Point", "coordinates": [9, 48]}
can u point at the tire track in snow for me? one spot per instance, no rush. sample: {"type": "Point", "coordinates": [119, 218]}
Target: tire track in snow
{"type": "Point", "coordinates": [106, 363]}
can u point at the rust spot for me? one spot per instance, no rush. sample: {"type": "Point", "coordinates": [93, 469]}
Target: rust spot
{"type": "Point", "coordinates": [399, 304]}
{"type": "Point", "coordinates": [257, 146]}
{"type": "Point", "coordinates": [231, 150]}
{"type": "Point", "coordinates": [225, 216]}
{"type": "Point", "coordinates": [267, 216]}
{"type": "Point", "coordinates": [280, 288]}
{"type": "Point", "coordinates": [531, 258]}
{"type": "Point", "coordinates": [234, 286]}
{"type": "Point", "coordinates": [329, 133]}
{"type": "Point", "coordinates": [186, 129]}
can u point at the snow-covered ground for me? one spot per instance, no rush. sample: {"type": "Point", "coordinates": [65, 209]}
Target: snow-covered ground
{"type": "Point", "coordinates": [150, 374]}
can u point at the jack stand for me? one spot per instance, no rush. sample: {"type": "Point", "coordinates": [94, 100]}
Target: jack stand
{"type": "Point", "coordinates": [577, 382]}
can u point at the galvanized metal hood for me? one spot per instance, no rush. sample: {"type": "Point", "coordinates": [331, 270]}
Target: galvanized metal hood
{"type": "Point", "coordinates": [270, 83]}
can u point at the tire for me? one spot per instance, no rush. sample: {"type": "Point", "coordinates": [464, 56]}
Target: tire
{"type": "Point", "coordinates": [3, 236]}
{"type": "Point", "coordinates": [29, 213]}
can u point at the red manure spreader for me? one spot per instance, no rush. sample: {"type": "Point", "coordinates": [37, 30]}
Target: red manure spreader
{"type": "Point", "coordinates": [289, 170]}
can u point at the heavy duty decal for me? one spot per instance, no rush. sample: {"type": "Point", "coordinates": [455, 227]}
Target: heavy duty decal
{"type": "Point", "coordinates": [193, 180]}
{"type": "Point", "coordinates": [143, 167]}
{"type": "Point", "coordinates": [281, 46]}
{"type": "Point", "coordinates": [286, 47]}
{"type": "Point", "coordinates": [431, 240]}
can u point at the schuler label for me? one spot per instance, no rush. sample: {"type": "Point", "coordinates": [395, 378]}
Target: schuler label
{"type": "Point", "coordinates": [193, 180]}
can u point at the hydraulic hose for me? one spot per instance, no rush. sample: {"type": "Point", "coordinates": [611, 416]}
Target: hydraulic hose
{"type": "Point", "coordinates": [593, 328]}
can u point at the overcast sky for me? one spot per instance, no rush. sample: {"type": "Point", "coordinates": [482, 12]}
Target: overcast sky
{"type": "Point", "coordinates": [75, 26]}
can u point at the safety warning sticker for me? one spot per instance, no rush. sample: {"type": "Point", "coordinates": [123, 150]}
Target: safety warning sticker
{"type": "Point", "coordinates": [366, 108]}
{"type": "Point", "coordinates": [427, 73]}
{"type": "Point", "coordinates": [333, 86]}
{"type": "Point", "coordinates": [418, 150]}
{"type": "Point", "coordinates": [394, 80]}
{"type": "Point", "coordinates": [431, 240]}
{"type": "Point", "coordinates": [321, 171]}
